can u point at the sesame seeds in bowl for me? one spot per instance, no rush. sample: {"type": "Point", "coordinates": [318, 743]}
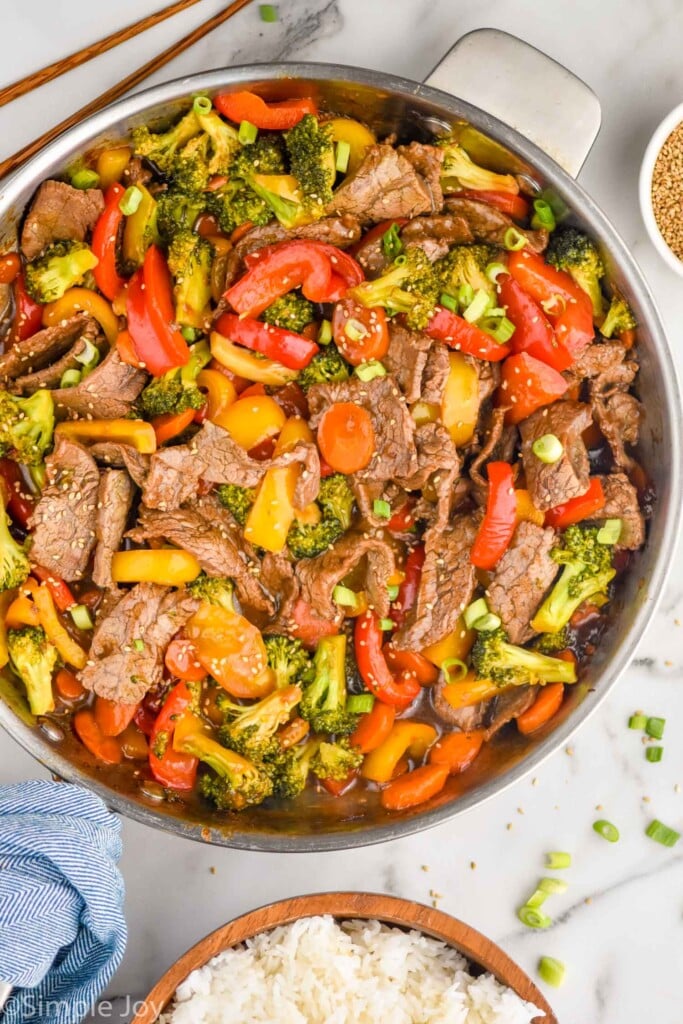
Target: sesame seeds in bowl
{"type": "Point", "coordinates": [661, 189]}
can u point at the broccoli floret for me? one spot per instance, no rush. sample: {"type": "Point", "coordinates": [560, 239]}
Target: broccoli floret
{"type": "Point", "coordinates": [33, 659]}
{"type": "Point", "coordinates": [311, 159]}
{"type": "Point", "coordinates": [578, 255]}
{"type": "Point", "coordinates": [466, 265]}
{"type": "Point", "coordinates": [237, 782]}
{"type": "Point", "coordinates": [222, 138]}
{"type": "Point", "coordinates": [214, 590]}
{"type": "Point", "coordinates": [551, 643]}
{"type": "Point", "coordinates": [336, 499]}
{"type": "Point", "coordinates": [459, 171]}
{"type": "Point", "coordinates": [324, 700]}
{"type": "Point", "coordinates": [26, 426]}
{"type": "Point", "coordinates": [178, 211]}
{"type": "Point", "coordinates": [306, 540]}
{"type": "Point", "coordinates": [587, 572]}
{"type": "Point", "coordinates": [251, 731]}
{"type": "Point", "coordinates": [493, 657]}
{"type": "Point", "coordinates": [14, 565]}
{"type": "Point", "coordinates": [238, 500]}
{"type": "Point", "coordinates": [236, 203]}
{"type": "Point", "coordinates": [260, 169]}
{"type": "Point", "coordinates": [335, 760]}
{"type": "Point", "coordinates": [288, 658]}
{"type": "Point", "coordinates": [326, 367]}
{"type": "Point", "coordinates": [619, 318]}
{"type": "Point", "coordinates": [410, 286]}
{"type": "Point", "coordinates": [265, 156]}
{"type": "Point", "coordinates": [59, 267]}
{"type": "Point", "coordinates": [190, 170]}
{"type": "Point", "coordinates": [161, 147]}
{"type": "Point", "coordinates": [176, 390]}
{"type": "Point", "coordinates": [291, 311]}
{"type": "Point", "coordinates": [190, 258]}
{"type": "Point", "coordinates": [291, 769]}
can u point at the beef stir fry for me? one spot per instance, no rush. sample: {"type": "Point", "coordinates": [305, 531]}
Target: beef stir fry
{"type": "Point", "coordinates": [317, 456]}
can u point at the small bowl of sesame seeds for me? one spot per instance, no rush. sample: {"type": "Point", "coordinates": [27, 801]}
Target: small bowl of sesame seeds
{"type": "Point", "coordinates": [661, 189]}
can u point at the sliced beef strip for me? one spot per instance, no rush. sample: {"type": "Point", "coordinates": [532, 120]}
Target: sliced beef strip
{"type": "Point", "coordinates": [444, 228]}
{"type": "Point", "coordinates": [209, 532]}
{"type": "Point", "coordinates": [59, 212]}
{"type": "Point", "coordinates": [122, 456]}
{"type": "Point", "coordinates": [607, 363]}
{"type": "Point", "coordinates": [406, 359]}
{"type": "Point", "coordinates": [446, 585]}
{"type": "Point", "coordinates": [108, 393]}
{"type": "Point", "coordinates": [427, 161]}
{"type": "Point", "coordinates": [439, 465]}
{"type": "Point", "coordinates": [395, 454]}
{"type": "Point", "coordinates": [621, 502]}
{"type": "Point", "coordinates": [372, 259]}
{"type": "Point", "coordinates": [490, 225]}
{"type": "Point", "coordinates": [279, 580]}
{"type": "Point", "coordinates": [64, 520]}
{"type": "Point", "coordinates": [385, 185]}
{"type": "Point", "coordinates": [319, 576]}
{"type": "Point", "coordinates": [435, 374]}
{"type": "Point", "coordinates": [366, 492]}
{"type": "Point", "coordinates": [51, 376]}
{"type": "Point", "coordinates": [618, 415]}
{"type": "Point", "coordinates": [522, 577]}
{"type": "Point", "coordinates": [490, 715]}
{"type": "Point", "coordinates": [499, 442]}
{"type": "Point", "coordinates": [611, 369]}
{"type": "Point", "coordinates": [552, 484]}
{"type": "Point", "coordinates": [45, 347]}
{"type": "Point", "coordinates": [116, 669]}
{"type": "Point", "coordinates": [114, 500]}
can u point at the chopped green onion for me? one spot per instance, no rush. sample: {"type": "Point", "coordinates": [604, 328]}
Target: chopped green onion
{"type": "Point", "coordinates": [401, 260]}
{"type": "Point", "coordinates": [637, 722]}
{"type": "Point", "coordinates": [70, 378]}
{"type": "Point", "coordinates": [341, 157]}
{"type": "Point", "coordinates": [202, 105]}
{"type": "Point", "coordinates": [548, 449]}
{"type": "Point", "coordinates": [533, 918]}
{"type": "Point", "coordinates": [381, 508]}
{"type": "Point", "coordinates": [325, 333]}
{"type": "Point", "coordinates": [344, 596]}
{"type": "Point", "coordinates": [495, 312]}
{"type": "Point", "coordinates": [537, 899]}
{"type": "Point", "coordinates": [487, 623]}
{"type": "Point", "coordinates": [355, 330]}
{"type": "Point", "coordinates": [557, 860]}
{"type": "Point", "coordinates": [130, 200]}
{"type": "Point", "coordinates": [392, 246]}
{"type": "Point", "coordinates": [386, 625]}
{"type": "Point", "coordinates": [268, 12]}
{"type": "Point", "coordinates": [247, 133]}
{"type": "Point", "coordinates": [465, 295]}
{"type": "Point", "coordinates": [360, 703]}
{"type": "Point", "coordinates": [553, 886]}
{"type": "Point", "coordinates": [38, 475]}
{"type": "Point", "coordinates": [138, 644]}
{"type": "Point", "coordinates": [662, 833]}
{"type": "Point", "coordinates": [392, 591]}
{"type": "Point", "coordinates": [610, 532]}
{"type": "Point", "coordinates": [500, 328]}
{"type": "Point", "coordinates": [81, 617]}
{"type": "Point", "coordinates": [85, 178]}
{"type": "Point", "coordinates": [370, 370]}
{"type": "Point", "coordinates": [476, 610]}
{"type": "Point", "coordinates": [607, 830]}
{"type": "Point", "coordinates": [543, 216]}
{"type": "Point", "coordinates": [454, 669]}
{"type": "Point", "coordinates": [89, 357]}
{"type": "Point", "coordinates": [514, 240]}
{"type": "Point", "coordinates": [189, 333]}
{"type": "Point", "coordinates": [557, 205]}
{"type": "Point", "coordinates": [551, 971]}
{"type": "Point", "coordinates": [448, 302]}
{"type": "Point", "coordinates": [478, 306]}
{"type": "Point", "coordinates": [654, 754]}
{"type": "Point", "coordinates": [494, 270]}
{"type": "Point", "coordinates": [654, 727]}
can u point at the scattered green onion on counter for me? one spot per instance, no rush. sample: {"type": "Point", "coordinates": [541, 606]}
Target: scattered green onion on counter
{"type": "Point", "coordinates": [533, 918]}
{"type": "Point", "coordinates": [551, 971]}
{"type": "Point", "coordinates": [268, 12]}
{"type": "Point", "coordinates": [654, 754]}
{"type": "Point", "coordinates": [654, 727]}
{"type": "Point", "coordinates": [637, 722]}
{"type": "Point", "coordinates": [662, 833]}
{"type": "Point", "coordinates": [557, 860]}
{"type": "Point", "coordinates": [607, 830]}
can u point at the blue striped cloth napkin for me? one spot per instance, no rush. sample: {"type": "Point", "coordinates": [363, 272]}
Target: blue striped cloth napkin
{"type": "Point", "coordinates": [62, 929]}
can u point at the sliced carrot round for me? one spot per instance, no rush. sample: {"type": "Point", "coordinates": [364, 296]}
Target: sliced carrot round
{"type": "Point", "coordinates": [415, 787]}
{"type": "Point", "coordinates": [457, 750]}
{"type": "Point", "coordinates": [346, 437]}
{"type": "Point", "coordinates": [546, 705]}
{"type": "Point", "coordinates": [373, 727]}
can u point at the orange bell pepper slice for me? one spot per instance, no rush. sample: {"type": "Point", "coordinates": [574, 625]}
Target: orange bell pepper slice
{"type": "Point", "coordinates": [407, 737]}
{"type": "Point", "coordinates": [414, 787]}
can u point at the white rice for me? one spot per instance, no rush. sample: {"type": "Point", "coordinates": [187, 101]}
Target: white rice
{"type": "Point", "coordinates": [318, 971]}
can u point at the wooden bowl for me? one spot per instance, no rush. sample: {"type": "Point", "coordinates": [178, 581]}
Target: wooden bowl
{"type": "Point", "coordinates": [479, 951]}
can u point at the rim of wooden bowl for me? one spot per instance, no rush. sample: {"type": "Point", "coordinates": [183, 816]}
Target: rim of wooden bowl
{"type": "Point", "coordinates": [478, 949]}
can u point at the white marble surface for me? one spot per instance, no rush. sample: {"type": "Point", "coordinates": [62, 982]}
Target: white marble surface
{"type": "Point", "coordinates": [619, 927]}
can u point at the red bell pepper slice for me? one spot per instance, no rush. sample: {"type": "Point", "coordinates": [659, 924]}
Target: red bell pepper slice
{"type": "Point", "coordinates": [149, 308]}
{"type": "Point", "coordinates": [463, 336]}
{"type": "Point", "coordinates": [308, 626]}
{"type": "Point", "coordinates": [527, 384]}
{"type": "Point", "coordinates": [576, 509]}
{"type": "Point", "coordinates": [336, 787]}
{"type": "Point", "coordinates": [61, 594]}
{"type": "Point", "coordinates": [20, 504]}
{"type": "Point", "coordinates": [105, 238]}
{"type": "Point", "coordinates": [28, 315]}
{"type": "Point", "coordinates": [533, 332]}
{"type": "Point", "coordinates": [507, 202]}
{"type": "Point", "coordinates": [403, 518]}
{"type": "Point", "coordinates": [286, 347]}
{"type": "Point", "coordinates": [567, 306]}
{"type": "Point", "coordinates": [368, 638]}
{"type": "Point", "coordinates": [499, 522]}
{"type": "Point", "coordinates": [247, 106]}
{"type": "Point", "coordinates": [411, 662]}
{"type": "Point", "coordinates": [173, 768]}
{"type": "Point", "coordinates": [346, 271]}
{"type": "Point", "coordinates": [407, 592]}
{"type": "Point", "coordinates": [181, 660]}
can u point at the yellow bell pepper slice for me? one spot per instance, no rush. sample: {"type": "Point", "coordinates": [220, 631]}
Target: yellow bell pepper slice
{"type": "Point", "coordinates": [272, 513]}
{"type": "Point", "coordinates": [526, 510]}
{"type": "Point", "coordinates": [457, 644]}
{"type": "Point", "coordinates": [220, 393]}
{"type": "Point", "coordinates": [249, 421]}
{"type": "Point", "coordinates": [169, 567]}
{"type": "Point", "coordinates": [468, 691]}
{"type": "Point", "coordinates": [283, 185]}
{"type": "Point", "coordinates": [460, 400]}
{"type": "Point", "coordinates": [69, 651]}
{"type": "Point", "coordinates": [424, 412]}
{"type": "Point", "coordinates": [245, 364]}
{"type": "Point", "coordinates": [294, 430]}
{"type": "Point", "coordinates": [137, 433]}
{"type": "Point", "coordinates": [140, 230]}
{"type": "Point", "coordinates": [111, 163]}
{"type": "Point", "coordinates": [83, 300]}
{"type": "Point", "coordinates": [21, 612]}
{"type": "Point", "coordinates": [406, 738]}
{"type": "Point", "coordinates": [345, 129]}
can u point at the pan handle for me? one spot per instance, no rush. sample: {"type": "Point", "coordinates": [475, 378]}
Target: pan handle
{"type": "Point", "coordinates": [525, 89]}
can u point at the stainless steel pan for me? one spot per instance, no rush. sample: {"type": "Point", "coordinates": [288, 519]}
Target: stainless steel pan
{"type": "Point", "coordinates": [547, 120]}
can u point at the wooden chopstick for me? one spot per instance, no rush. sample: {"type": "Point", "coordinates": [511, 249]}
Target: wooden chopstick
{"type": "Point", "coordinates": [74, 60]}
{"type": "Point", "coordinates": [118, 90]}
